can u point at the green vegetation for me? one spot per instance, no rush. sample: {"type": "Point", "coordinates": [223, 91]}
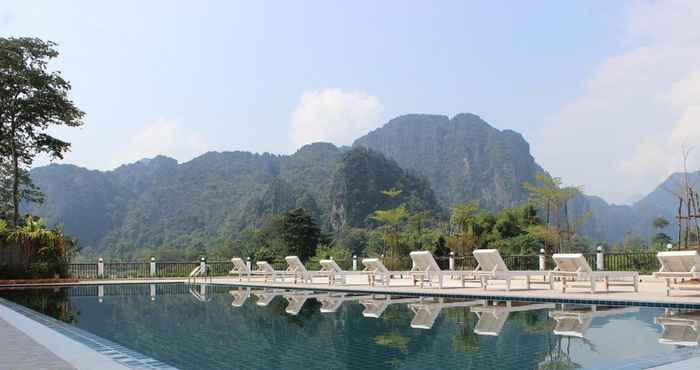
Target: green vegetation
{"type": "Point", "coordinates": [33, 100]}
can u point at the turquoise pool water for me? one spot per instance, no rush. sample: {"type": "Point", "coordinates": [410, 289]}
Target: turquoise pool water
{"type": "Point", "coordinates": [216, 327]}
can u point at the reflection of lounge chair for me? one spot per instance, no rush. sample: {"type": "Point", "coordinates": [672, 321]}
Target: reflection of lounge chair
{"type": "Point", "coordinates": [374, 308]}
{"type": "Point", "coordinates": [335, 273]}
{"type": "Point", "coordinates": [492, 267]}
{"type": "Point", "coordinates": [681, 329]}
{"type": "Point", "coordinates": [298, 270]}
{"type": "Point", "coordinates": [574, 323]}
{"type": "Point", "coordinates": [240, 295]}
{"type": "Point", "coordinates": [267, 271]}
{"type": "Point", "coordinates": [493, 317]}
{"type": "Point", "coordinates": [376, 269]}
{"type": "Point", "coordinates": [298, 299]}
{"type": "Point", "coordinates": [265, 296]}
{"type": "Point", "coordinates": [427, 312]}
{"type": "Point", "coordinates": [574, 267]}
{"type": "Point", "coordinates": [425, 269]}
{"type": "Point", "coordinates": [678, 265]}
{"type": "Point", "coordinates": [332, 302]}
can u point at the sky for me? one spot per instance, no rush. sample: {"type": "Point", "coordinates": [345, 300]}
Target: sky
{"type": "Point", "coordinates": [606, 92]}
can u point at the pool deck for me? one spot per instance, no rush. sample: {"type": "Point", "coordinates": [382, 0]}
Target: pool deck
{"type": "Point", "coordinates": [27, 344]}
{"type": "Point", "coordinates": [651, 291]}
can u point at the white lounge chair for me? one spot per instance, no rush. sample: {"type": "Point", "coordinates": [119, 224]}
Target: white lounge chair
{"type": "Point", "coordinates": [574, 267]}
{"type": "Point", "coordinates": [240, 295]}
{"type": "Point", "coordinates": [493, 317]}
{"type": "Point", "coordinates": [427, 312]}
{"type": "Point", "coordinates": [492, 267]}
{"type": "Point", "coordinates": [682, 329]}
{"type": "Point", "coordinates": [677, 265]}
{"type": "Point", "coordinates": [267, 271]}
{"type": "Point", "coordinates": [575, 322]}
{"type": "Point", "coordinates": [298, 270]}
{"type": "Point", "coordinates": [425, 269]}
{"type": "Point", "coordinates": [335, 272]}
{"type": "Point", "coordinates": [376, 269]}
{"type": "Point", "coordinates": [240, 268]}
{"type": "Point", "coordinates": [375, 307]}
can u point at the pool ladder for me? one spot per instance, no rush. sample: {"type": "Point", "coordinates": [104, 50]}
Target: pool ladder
{"type": "Point", "coordinates": [197, 272]}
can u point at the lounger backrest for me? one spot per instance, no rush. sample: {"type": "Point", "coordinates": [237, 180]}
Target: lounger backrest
{"type": "Point", "coordinates": [330, 265]}
{"type": "Point", "coordinates": [264, 266]}
{"type": "Point", "coordinates": [239, 265]}
{"type": "Point", "coordinates": [375, 265]}
{"type": "Point", "coordinates": [571, 262]}
{"type": "Point", "coordinates": [295, 264]}
{"type": "Point", "coordinates": [424, 261]}
{"type": "Point", "coordinates": [490, 260]}
{"type": "Point", "coordinates": [679, 261]}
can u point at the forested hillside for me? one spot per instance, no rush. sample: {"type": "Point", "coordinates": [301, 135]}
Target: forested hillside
{"type": "Point", "coordinates": [217, 199]}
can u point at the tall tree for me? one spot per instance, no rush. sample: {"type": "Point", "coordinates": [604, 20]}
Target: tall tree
{"type": "Point", "coordinates": [300, 233]}
{"type": "Point", "coordinates": [32, 100]}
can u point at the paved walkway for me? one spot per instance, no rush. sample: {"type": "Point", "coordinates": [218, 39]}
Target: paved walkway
{"type": "Point", "coordinates": [20, 352]}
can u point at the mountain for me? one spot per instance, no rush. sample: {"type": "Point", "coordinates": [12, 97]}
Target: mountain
{"type": "Point", "coordinates": [436, 161]}
{"type": "Point", "coordinates": [161, 203]}
{"type": "Point", "coordinates": [463, 158]}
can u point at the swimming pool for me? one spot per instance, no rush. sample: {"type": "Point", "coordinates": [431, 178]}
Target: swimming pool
{"type": "Point", "coordinates": [217, 327]}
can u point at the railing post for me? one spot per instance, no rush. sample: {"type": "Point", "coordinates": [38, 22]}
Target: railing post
{"type": "Point", "coordinates": [100, 268]}
{"type": "Point", "coordinates": [153, 266]}
{"type": "Point", "coordinates": [669, 246]}
{"type": "Point", "coordinates": [452, 261]}
{"type": "Point", "coordinates": [599, 262]}
{"type": "Point", "coordinates": [202, 265]}
{"type": "Point", "coordinates": [542, 260]}
{"type": "Point", "coordinates": [354, 263]}
{"type": "Point", "coordinates": [248, 263]}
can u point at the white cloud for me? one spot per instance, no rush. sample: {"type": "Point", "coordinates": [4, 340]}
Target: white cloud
{"type": "Point", "coordinates": [162, 137]}
{"type": "Point", "coordinates": [335, 116]}
{"type": "Point", "coordinates": [623, 135]}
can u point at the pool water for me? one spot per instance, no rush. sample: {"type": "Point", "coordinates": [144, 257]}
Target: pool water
{"type": "Point", "coordinates": [217, 327]}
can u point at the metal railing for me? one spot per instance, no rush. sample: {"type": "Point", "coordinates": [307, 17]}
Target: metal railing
{"type": "Point", "coordinates": [643, 262]}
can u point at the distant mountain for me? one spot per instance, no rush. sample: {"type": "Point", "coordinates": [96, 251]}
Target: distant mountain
{"type": "Point", "coordinates": [158, 202]}
{"type": "Point", "coordinates": [463, 158]}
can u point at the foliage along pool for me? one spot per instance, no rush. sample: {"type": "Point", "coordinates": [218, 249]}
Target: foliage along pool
{"type": "Point", "coordinates": [217, 327]}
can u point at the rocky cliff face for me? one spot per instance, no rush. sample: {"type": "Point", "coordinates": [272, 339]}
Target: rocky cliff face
{"type": "Point", "coordinates": [463, 158]}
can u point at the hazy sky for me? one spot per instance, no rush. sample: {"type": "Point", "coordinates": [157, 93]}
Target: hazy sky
{"type": "Point", "coordinates": [605, 91]}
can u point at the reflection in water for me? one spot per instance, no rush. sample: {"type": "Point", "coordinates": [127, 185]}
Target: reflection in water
{"type": "Point", "coordinates": [427, 312]}
{"type": "Point", "coordinates": [493, 317]}
{"type": "Point", "coordinates": [575, 321]}
{"type": "Point", "coordinates": [680, 329]}
{"type": "Point", "coordinates": [263, 328]}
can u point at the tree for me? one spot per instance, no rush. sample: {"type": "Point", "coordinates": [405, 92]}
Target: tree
{"type": "Point", "coordinates": [300, 233]}
{"type": "Point", "coordinates": [32, 100]}
{"type": "Point", "coordinates": [660, 223]}
{"type": "Point", "coordinates": [553, 199]}
{"type": "Point", "coordinates": [392, 220]}
{"type": "Point", "coordinates": [660, 239]}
